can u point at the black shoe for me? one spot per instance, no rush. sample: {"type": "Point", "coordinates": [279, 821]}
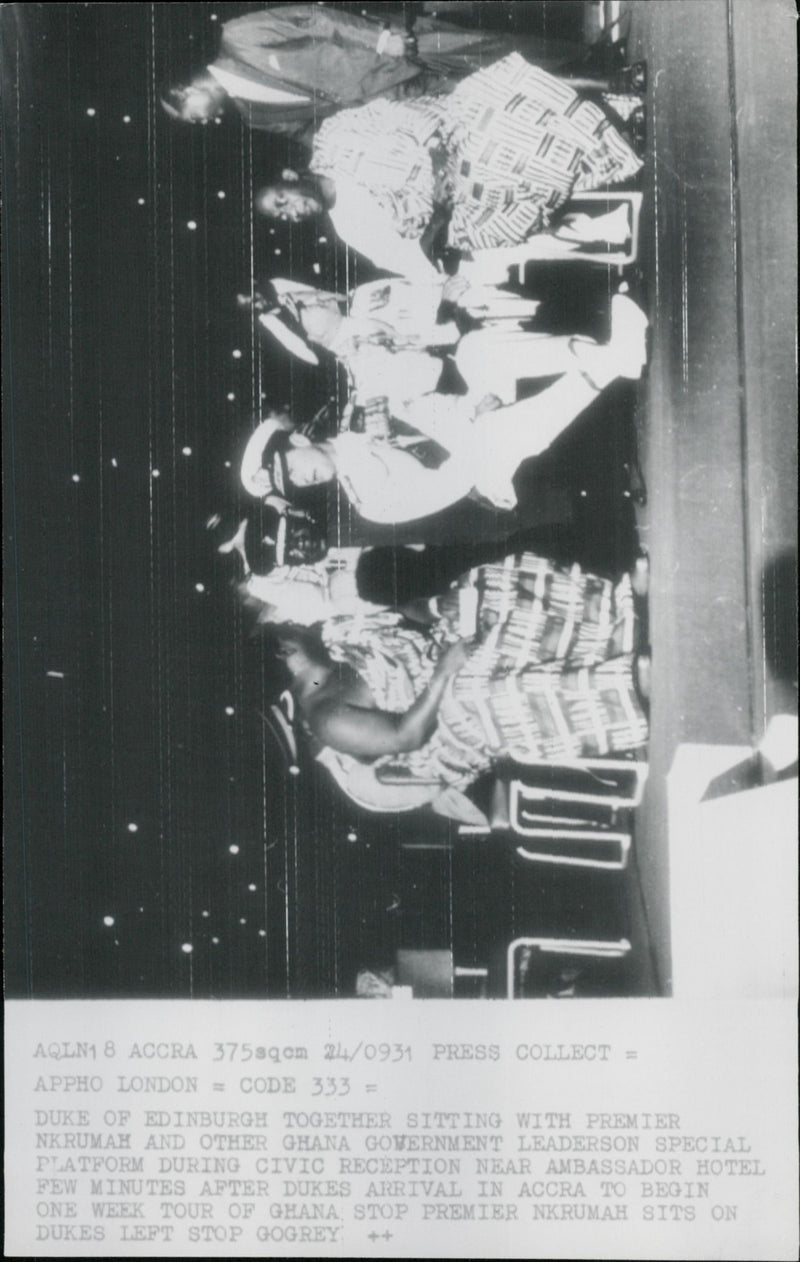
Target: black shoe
{"type": "Point", "coordinates": [629, 79]}
{"type": "Point", "coordinates": [635, 131]}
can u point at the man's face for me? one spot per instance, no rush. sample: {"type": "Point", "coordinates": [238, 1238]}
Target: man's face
{"type": "Point", "coordinates": [308, 466]}
{"type": "Point", "coordinates": [293, 653]}
{"type": "Point", "coordinates": [320, 317]}
{"type": "Point", "coordinates": [290, 201]}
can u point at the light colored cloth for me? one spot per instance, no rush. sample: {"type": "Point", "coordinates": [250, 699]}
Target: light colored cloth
{"type": "Point", "coordinates": [393, 313]}
{"type": "Point", "coordinates": [495, 359]}
{"type": "Point", "coordinates": [397, 313]}
{"type": "Point", "coordinates": [379, 373]}
{"type": "Point", "coordinates": [248, 90]}
{"type": "Point", "coordinates": [385, 482]}
{"type": "Point", "coordinates": [485, 451]}
{"type": "Point", "coordinates": [362, 223]}
{"type": "Point", "coordinates": [410, 311]}
{"type": "Point", "coordinates": [308, 594]}
{"type": "Point", "coordinates": [360, 783]}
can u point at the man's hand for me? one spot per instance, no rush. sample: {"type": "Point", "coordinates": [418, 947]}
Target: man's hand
{"type": "Point", "coordinates": [391, 44]}
{"type": "Point", "coordinates": [453, 659]}
{"type": "Point", "coordinates": [455, 287]}
{"type": "Point", "coordinates": [489, 403]}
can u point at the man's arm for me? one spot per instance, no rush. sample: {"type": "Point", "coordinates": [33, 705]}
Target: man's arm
{"type": "Point", "coordinates": [365, 226]}
{"type": "Point", "coordinates": [328, 55]}
{"type": "Point", "coordinates": [282, 23]}
{"type": "Point", "coordinates": [368, 33]}
{"type": "Point", "coordinates": [374, 733]}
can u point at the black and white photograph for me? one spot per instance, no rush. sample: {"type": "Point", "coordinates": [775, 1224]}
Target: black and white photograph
{"type": "Point", "coordinates": [400, 548]}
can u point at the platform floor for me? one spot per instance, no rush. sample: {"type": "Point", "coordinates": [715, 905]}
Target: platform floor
{"type": "Point", "coordinates": [717, 430]}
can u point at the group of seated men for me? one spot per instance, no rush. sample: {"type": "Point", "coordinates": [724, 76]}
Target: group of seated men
{"type": "Point", "coordinates": [443, 159]}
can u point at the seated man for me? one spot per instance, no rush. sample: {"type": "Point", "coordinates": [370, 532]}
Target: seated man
{"type": "Point", "coordinates": [392, 339]}
{"type": "Point", "coordinates": [441, 451]}
{"type": "Point", "coordinates": [485, 168]}
{"type": "Point", "coordinates": [549, 670]}
{"type": "Point", "coordinates": [288, 66]}
{"type": "Point", "coordinates": [396, 314]}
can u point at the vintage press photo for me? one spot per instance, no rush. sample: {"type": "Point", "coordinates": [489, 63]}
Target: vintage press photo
{"type": "Point", "coordinates": [400, 625]}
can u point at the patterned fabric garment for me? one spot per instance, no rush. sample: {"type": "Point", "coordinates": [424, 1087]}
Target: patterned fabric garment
{"type": "Point", "coordinates": [395, 661]}
{"type": "Point", "coordinates": [383, 146]}
{"type": "Point", "coordinates": [550, 677]}
{"type": "Point", "coordinates": [504, 151]}
{"type": "Point", "coordinates": [520, 144]}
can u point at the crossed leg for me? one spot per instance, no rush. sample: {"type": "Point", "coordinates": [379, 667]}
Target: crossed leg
{"type": "Point", "coordinates": [505, 437]}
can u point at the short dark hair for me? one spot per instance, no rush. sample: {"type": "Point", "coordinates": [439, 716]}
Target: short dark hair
{"type": "Point", "coordinates": [309, 638]}
{"type": "Point", "coordinates": [274, 454]}
{"type": "Point", "coordinates": [171, 94]}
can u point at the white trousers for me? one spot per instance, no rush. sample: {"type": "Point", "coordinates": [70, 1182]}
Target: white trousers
{"type": "Point", "coordinates": [493, 360]}
{"type": "Point", "coordinates": [503, 439]}
{"type": "Point", "coordinates": [492, 445]}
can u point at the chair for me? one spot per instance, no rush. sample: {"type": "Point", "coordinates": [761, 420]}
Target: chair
{"type": "Point", "coordinates": [493, 266]}
{"type": "Point", "coordinates": [576, 813]}
{"type": "Point", "coordinates": [524, 953]}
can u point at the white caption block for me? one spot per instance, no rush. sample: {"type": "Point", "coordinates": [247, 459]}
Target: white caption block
{"type": "Point", "coordinates": [651, 1129]}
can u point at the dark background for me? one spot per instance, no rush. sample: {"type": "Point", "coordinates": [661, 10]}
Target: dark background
{"type": "Point", "coordinates": [120, 325]}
